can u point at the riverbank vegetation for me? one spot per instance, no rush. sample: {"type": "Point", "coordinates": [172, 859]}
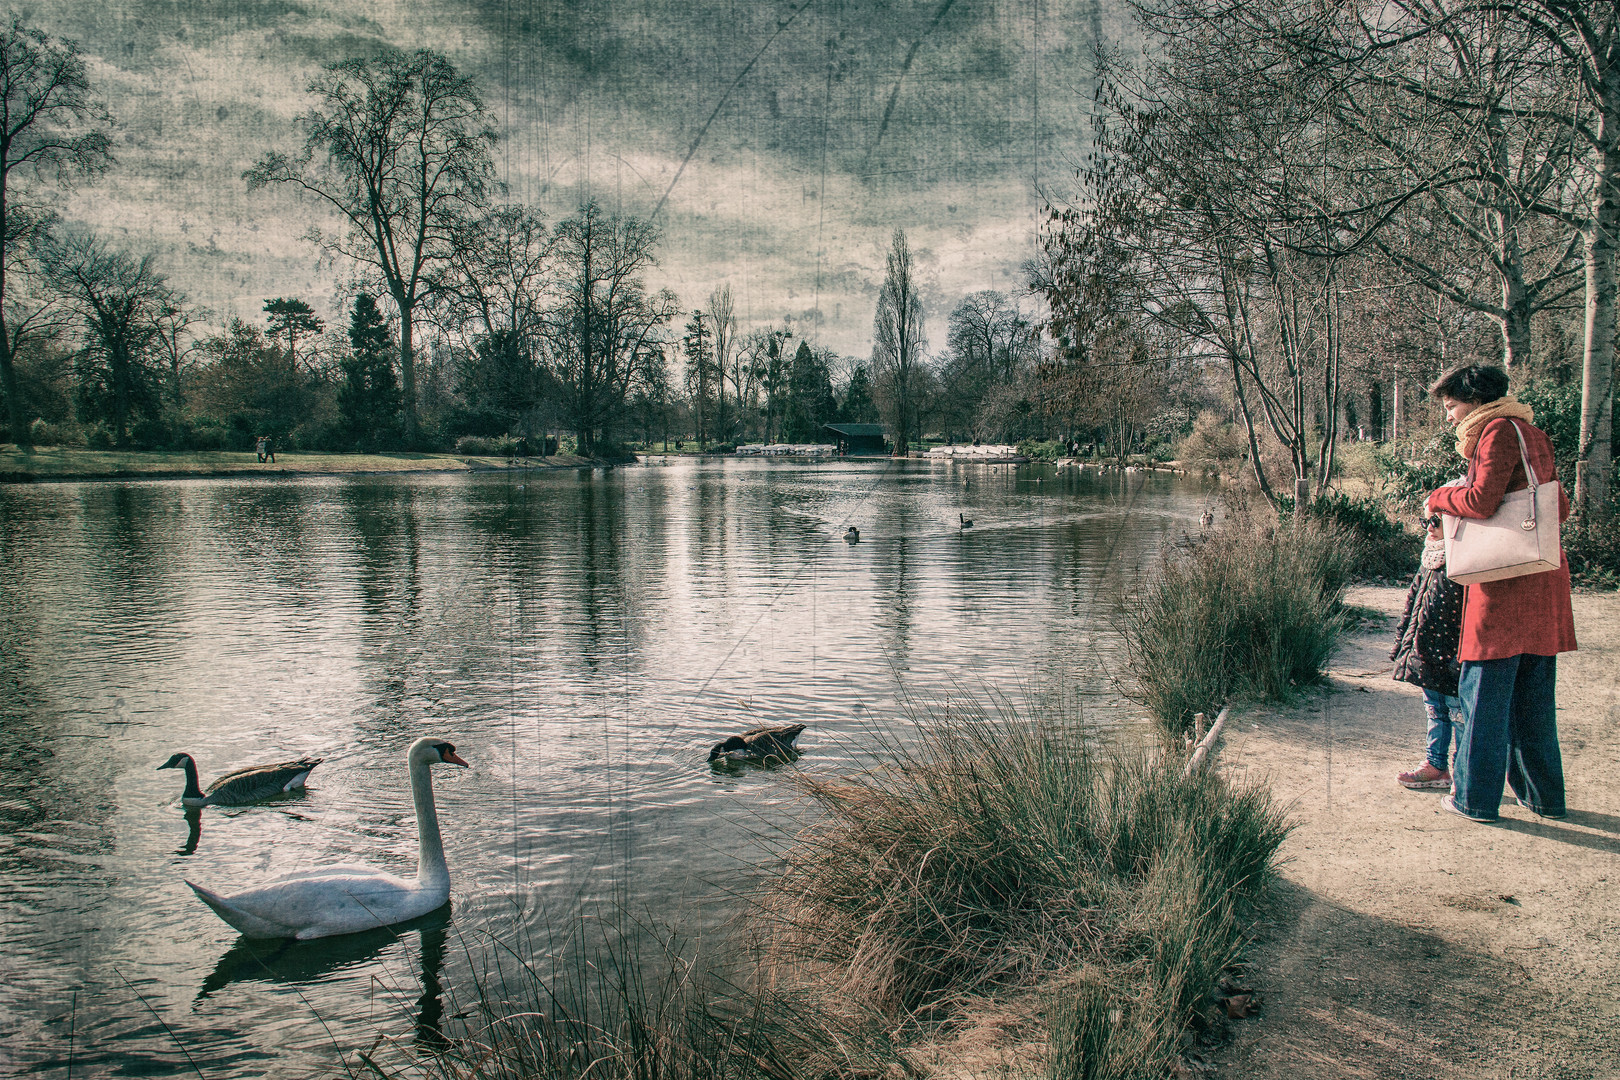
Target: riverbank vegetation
{"type": "Point", "coordinates": [995, 857]}
{"type": "Point", "coordinates": [1183, 306]}
{"type": "Point", "coordinates": [60, 463]}
{"type": "Point", "coordinates": [1252, 611]}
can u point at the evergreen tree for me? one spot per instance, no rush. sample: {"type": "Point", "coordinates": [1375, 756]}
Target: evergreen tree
{"type": "Point", "coordinates": [701, 373]}
{"type": "Point", "coordinates": [859, 406]}
{"type": "Point", "coordinates": [810, 397]}
{"type": "Point", "coordinates": [291, 318]}
{"type": "Point", "coordinates": [369, 399]}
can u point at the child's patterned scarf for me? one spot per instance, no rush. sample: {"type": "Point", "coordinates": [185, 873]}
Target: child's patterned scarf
{"type": "Point", "coordinates": [1434, 553]}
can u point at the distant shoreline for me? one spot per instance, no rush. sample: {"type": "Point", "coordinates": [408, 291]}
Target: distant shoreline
{"type": "Point", "coordinates": [74, 465]}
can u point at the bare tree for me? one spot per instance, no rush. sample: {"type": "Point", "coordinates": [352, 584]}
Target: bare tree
{"type": "Point", "coordinates": [399, 145]}
{"type": "Point", "coordinates": [988, 340]}
{"type": "Point", "coordinates": [1220, 212]}
{"type": "Point", "coordinates": [50, 127]}
{"type": "Point", "coordinates": [897, 340]}
{"type": "Point", "coordinates": [723, 323]}
{"type": "Point", "coordinates": [175, 341]}
{"type": "Point", "coordinates": [1580, 78]}
{"type": "Point", "coordinates": [603, 322]}
{"type": "Point", "coordinates": [122, 307]}
{"type": "Point", "coordinates": [767, 366]}
{"type": "Point", "coordinates": [494, 291]}
{"type": "Point", "coordinates": [1476, 116]}
{"type": "Point", "coordinates": [1588, 35]}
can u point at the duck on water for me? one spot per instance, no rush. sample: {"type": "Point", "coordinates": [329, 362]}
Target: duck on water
{"type": "Point", "coordinates": [346, 899]}
{"type": "Point", "coordinates": [759, 746]}
{"type": "Point", "coordinates": [244, 785]}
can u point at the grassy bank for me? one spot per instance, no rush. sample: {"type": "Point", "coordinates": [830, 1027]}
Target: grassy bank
{"type": "Point", "coordinates": [1254, 611]}
{"type": "Point", "coordinates": [994, 858]}
{"type": "Point", "coordinates": [71, 463]}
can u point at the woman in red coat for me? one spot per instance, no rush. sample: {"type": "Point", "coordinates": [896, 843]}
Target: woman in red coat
{"type": "Point", "coordinates": [1513, 629]}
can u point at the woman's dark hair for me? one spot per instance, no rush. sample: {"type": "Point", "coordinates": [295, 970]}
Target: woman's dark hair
{"type": "Point", "coordinates": [1475, 384]}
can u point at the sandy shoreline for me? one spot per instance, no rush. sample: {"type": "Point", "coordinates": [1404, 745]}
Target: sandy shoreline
{"type": "Point", "coordinates": [1404, 941]}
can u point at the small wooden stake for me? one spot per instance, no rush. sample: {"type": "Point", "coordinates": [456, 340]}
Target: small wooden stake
{"type": "Point", "coordinates": [1204, 744]}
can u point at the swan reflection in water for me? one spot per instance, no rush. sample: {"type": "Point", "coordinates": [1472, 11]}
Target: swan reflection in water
{"type": "Point", "coordinates": [287, 961]}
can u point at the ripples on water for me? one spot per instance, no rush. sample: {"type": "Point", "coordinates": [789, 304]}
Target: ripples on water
{"type": "Point", "coordinates": [582, 638]}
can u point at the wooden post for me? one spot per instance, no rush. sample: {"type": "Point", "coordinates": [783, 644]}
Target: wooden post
{"type": "Point", "coordinates": [1204, 744]}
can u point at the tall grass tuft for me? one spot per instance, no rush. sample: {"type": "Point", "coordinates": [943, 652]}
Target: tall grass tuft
{"type": "Point", "coordinates": [621, 1003]}
{"type": "Point", "coordinates": [995, 852]}
{"type": "Point", "coordinates": [1254, 611]}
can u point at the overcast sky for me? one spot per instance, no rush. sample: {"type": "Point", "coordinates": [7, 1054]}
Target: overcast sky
{"type": "Point", "coordinates": [780, 144]}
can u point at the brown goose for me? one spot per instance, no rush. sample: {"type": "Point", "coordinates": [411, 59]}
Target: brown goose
{"type": "Point", "coordinates": [244, 785]}
{"type": "Point", "coordinates": [761, 745]}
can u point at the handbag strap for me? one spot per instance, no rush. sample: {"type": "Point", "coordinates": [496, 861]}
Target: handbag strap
{"type": "Point", "coordinates": [1524, 456]}
{"type": "Point", "coordinates": [1529, 473]}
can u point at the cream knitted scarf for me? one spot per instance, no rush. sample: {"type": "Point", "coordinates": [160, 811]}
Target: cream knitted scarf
{"type": "Point", "coordinates": [1434, 553]}
{"type": "Point", "coordinates": [1505, 406]}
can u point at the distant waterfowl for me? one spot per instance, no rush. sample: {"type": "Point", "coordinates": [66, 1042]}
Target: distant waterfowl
{"type": "Point", "coordinates": [853, 536]}
{"type": "Point", "coordinates": [964, 522]}
{"type": "Point", "coordinates": [332, 900]}
{"type": "Point", "coordinates": [244, 785]}
{"type": "Point", "coordinates": [761, 745]}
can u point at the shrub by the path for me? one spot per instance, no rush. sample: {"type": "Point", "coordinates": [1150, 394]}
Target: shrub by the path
{"type": "Point", "coordinates": [998, 852]}
{"type": "Point", "coordinates": [1254, 611]}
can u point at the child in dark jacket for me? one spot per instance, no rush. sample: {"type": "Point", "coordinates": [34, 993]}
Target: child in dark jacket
{"type": "Point", "coordinates": [1425, 653]}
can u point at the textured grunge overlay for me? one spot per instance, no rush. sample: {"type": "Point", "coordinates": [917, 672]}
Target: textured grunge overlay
{"type": "Point", "coordinates": [779, 144]}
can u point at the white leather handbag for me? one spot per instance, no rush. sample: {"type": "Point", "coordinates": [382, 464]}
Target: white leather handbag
{"type": "Point", "coordinates": [1521, 538]}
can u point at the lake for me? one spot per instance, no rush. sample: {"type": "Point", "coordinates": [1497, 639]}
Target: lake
{"type": "Point", "coordinates": [582, 637]}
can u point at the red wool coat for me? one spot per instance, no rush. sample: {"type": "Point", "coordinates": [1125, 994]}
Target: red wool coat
{"type": "Point", "coordinates": [1529, 614]}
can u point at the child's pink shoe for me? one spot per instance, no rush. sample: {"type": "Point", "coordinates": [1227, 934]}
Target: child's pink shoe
{"type": "Point", "coordinates": [1426, 778]}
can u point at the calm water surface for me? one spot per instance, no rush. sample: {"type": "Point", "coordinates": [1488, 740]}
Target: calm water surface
{"type": "Point", "coordinates": [583, 638]}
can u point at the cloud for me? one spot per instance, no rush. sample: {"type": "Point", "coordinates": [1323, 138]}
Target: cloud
{"type": "Point", "coordinates": [790, 192]}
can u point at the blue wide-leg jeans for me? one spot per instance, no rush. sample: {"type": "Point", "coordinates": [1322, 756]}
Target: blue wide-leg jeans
{"type": "Point", "coordinates": [1510, 732]}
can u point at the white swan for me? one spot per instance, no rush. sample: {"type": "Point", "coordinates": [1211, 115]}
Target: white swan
{"type": "Point", "coordinates": [345, 899]}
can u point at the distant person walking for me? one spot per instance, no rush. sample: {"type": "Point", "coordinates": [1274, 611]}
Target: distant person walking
{"type": "Point", "coordinates": [1512, 629]}
{"type": "Point", "coordinates": [266, 449]}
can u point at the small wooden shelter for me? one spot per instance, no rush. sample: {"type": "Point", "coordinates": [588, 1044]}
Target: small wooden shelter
{"type": "Point", "coordinates": [858, 438]}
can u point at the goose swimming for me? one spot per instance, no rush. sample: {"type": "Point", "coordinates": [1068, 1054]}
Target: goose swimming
{"type": "Point", "coordinates": [244, 785]}
{"type": "Point", "coordinates": [964, 522]}
{"type": "Point", "coordinates": [760, 745]}
{"type": "Point", "coordinates": [853, 536]}
{"type": "Point", "coordinates": [332, 900]}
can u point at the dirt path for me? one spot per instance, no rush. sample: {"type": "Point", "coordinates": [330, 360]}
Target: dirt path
{"type": "Point", "coordinates": [1408, 942]}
